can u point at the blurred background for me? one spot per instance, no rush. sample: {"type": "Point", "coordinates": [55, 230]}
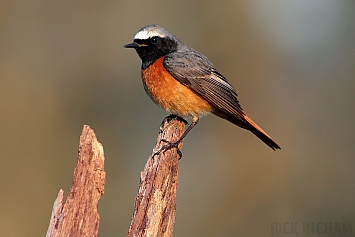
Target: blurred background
{"type": "Point", "coordinates": [63, 65]}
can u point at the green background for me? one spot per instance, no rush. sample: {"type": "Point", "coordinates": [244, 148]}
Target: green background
{"type": "Point", "coordinates": [63, 65]}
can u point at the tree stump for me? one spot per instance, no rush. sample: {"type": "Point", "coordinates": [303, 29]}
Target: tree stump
{"type": "Point", "coordinates": [155, 205]}
{"type": "Point", "coordinates": [78, 216]}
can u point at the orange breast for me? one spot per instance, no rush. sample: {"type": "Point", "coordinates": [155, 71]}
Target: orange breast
{"type": "Point", "coordinates": [170, 94]}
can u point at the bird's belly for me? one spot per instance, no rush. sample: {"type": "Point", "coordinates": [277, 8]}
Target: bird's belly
{"type": "Point", "coordinates": [170, 94]}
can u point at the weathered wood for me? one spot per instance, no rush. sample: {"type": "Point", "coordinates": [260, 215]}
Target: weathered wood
{"type": "Point", "coordinates": [155, 205]}
{"type": "Point", "coordinates": [78, 216]}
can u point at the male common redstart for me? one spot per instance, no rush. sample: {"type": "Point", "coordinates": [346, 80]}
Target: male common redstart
{"type": "Point", "coordinates": [185, 83]}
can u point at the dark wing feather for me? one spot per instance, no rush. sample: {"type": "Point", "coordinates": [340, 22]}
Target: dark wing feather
{"type": "Point", "coordinates": [194, 70]}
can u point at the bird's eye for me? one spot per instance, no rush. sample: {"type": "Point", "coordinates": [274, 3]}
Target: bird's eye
{"type": "Point", "coordinates": [154, 40]}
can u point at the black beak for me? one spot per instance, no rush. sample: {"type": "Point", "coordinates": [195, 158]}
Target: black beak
{"type": "Point", "coordinates": [132, 45]}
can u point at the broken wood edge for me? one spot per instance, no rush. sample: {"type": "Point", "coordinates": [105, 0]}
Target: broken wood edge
{"type": "Point", "coordinates": [155, 205]}
{"type": "Point", "coordinates": [78, 215]}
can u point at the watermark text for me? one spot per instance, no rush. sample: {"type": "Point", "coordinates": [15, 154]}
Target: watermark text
{"type": "Point", "coordinates": [311, 228]}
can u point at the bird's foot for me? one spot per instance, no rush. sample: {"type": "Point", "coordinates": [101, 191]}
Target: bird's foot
{"type": "Point", "coordinates": [169, 146]}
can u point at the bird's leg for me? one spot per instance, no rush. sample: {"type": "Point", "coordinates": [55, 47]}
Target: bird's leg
{"type": "Point", "coordinates": [170, 145]}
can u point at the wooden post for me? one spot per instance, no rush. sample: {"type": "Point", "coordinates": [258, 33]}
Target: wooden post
{"type": "Point", "coordinates": [155, 205]}
{"type": "Point", "coordinates": [78, 216]}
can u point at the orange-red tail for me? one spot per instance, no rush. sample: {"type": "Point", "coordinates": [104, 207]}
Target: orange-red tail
{"type": "Point", "coordinates": [245, 122]}
{"type": "Point", "coordinates": [257, 131]}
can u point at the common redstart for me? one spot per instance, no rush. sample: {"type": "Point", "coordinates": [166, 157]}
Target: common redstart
{"type": "Point", "coordinates": [185, 83]}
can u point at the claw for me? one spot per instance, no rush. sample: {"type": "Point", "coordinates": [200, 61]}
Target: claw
{"type": "Point", "coordinates": [176, 144]}
{"type": "Point", "coordinates": [168, 147]}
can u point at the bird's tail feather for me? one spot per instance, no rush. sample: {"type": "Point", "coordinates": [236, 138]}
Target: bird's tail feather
{"type": "Point", "coordinates": [245, 122]}
{"type": "Point", "coordinates": [257, 131]}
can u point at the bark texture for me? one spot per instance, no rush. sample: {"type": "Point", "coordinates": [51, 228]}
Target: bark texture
{"type": "Point", "coordinates": [78, 215]}
{"type": "Point", "coordinates": [155, 205]}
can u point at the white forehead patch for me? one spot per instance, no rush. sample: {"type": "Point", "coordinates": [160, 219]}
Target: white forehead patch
{"type": "Point", "coordinates": [144, 34]}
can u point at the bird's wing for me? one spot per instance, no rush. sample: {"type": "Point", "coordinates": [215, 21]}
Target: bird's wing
{"type": "Point", "coordinates": [195, 71]}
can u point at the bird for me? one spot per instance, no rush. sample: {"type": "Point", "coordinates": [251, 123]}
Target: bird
{"type": "Point", "coordinates": [185, 83]}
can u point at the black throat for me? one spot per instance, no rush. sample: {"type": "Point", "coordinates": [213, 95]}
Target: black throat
{"type": "Point", "coordinates": [153, 48]}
